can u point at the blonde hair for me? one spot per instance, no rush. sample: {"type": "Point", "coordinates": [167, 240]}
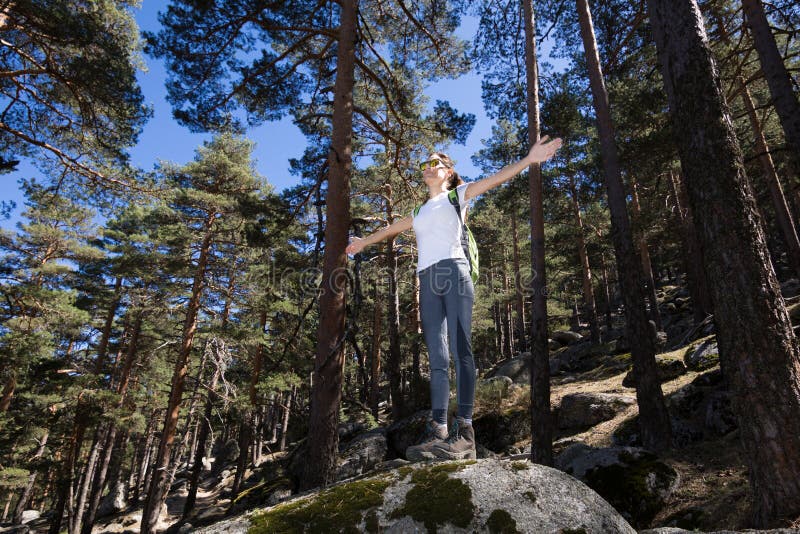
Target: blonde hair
{"type": "Point", "coordinates": [454, 180]}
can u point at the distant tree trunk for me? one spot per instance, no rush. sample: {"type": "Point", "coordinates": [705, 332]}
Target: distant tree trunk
{"type": "Point", "coordinates": [778, 78]}
{"type": "Point", "coordinates": [507, 319]}
{"type": "Point", "coordinates": [375, 380]}
{"type": "Point", "coordinates": [329, 363]}
{"type": "Point", "coordinates": [25, 496]}
{"type": "Point", "coordinates": [158, 484]}
{"type": "Point", "coordinates": [653, 417]}
{"type": "Point", "coordinates": [287, 410]}
{"type": "Point", "coordinates": [647, 266]}
{"type": "Point", "coordinates": [205, 429]}
{"type": "Point", "coordinates": [8, 392]}
{"type": "Point", "coordinates": [692, 260]}
{"type": "Point", "coordinates": [416, 345]}
{"type": "Point", "coordinates": [758, 350]}
{"type": "Point", "coordinates": [541, 418]}
{"type": "Point", "coordinates": [67, 475]}
{"type": "Point", "coordinates": [606, 290]}
{"type": "Point", "coordinates": [586, 272]}
{"type": "Point", "coordinates": [499, 340]}
{"type": "Point", "coordinates": [394, 363]}
{"type": "Point", "coordinates": [520, 300]}
{"type": "Point", "coordinates": [782, 212]}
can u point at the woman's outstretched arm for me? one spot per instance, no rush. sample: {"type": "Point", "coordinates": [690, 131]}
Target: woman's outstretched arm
{"type": "Point", "coordinates": [357, 244]}
{"type": "Point", "coordinates": [539, 153]}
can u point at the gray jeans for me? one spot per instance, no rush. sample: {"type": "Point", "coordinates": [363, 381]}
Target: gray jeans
{"type": "Point", "coordinates": [446, 295]}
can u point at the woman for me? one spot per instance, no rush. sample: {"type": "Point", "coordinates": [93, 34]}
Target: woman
{"type": "Point", "coordinates": [446, 294]}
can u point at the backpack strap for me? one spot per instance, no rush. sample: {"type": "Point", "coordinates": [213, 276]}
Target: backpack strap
{"type": "Point", "coordinates": [453, 197]}
{"type": "Point", "coordinates": [416, 211]}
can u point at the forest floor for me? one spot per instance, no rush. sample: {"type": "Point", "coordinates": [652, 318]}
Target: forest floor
{"type": "Point", "coordinates": [713, 493]}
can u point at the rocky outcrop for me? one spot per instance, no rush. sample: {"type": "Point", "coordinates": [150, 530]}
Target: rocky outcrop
{"type": "Point", "coordinates": [497, 431]}
{"type": "Point", "coordinates": [667, 368]}
{"type": "Point", "coordinates": [633, 480]}
{"type": "Point", "coordinates": [483, 496]}
{"type": "Point", "coordinates": [583, 410]}
{"type": "Point", "coordinates": [703, 356]}
{"type": "Point", "coordinates": [362, 454]}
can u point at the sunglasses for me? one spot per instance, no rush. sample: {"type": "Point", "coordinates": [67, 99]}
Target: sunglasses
{"type": "Point", "coordinates": [430, 164]}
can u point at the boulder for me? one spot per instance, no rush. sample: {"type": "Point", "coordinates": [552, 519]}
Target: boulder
{"type": "Point", "coordinates": [114, 502]}
{"type": "Point", "coordinates": [668, 369]}
{"type": "Point", "coordinates": [226, 454]}
{"type": "Point", "coordinates": [633, 480]}
{"type": "Point", "coordinates": [703, 356]}
{"type": "Point", "coordinates": [583, 410]}
{"type": "Point", "coordinates": [567, 337]}
{"type": "Point", "coordinates": [30, 515]}
{"type": "Point", "coordinates": [497, 431]}
{"type": "Point", "coordinates": [517, 369]}
{"type": "Point", "coordinates": [405, 432]}
{"type": "Point", "coordinates": [362, 454]}
{"type": "Point", "coordinates": [552, 344]}
{"type": "Point", "coordinates": [477, 496]}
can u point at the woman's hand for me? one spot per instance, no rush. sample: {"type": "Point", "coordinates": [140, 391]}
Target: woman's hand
{"type": "Point", "coordinates": [543, 150]}
{"type": "Point", "coordinates": [356, 245]}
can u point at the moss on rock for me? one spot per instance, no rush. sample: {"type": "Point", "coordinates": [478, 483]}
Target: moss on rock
{"type": "Point", "coordinates": [436, 499]}
{"type": "Point", "coordinates": [501, 522]}
{"type": "Point", "coordinates": [338, 509]}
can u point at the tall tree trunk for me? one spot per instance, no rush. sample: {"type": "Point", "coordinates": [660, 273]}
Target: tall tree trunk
{"type": "Point", "coordinates": [653, 417]}
{"type": "Point", "coordinates": [693, 251]}
{"type": "Point", "coordinates": [644, 255]}
{"type": "Point", "coordinates": [394, 363]}
{"type": "Point", "coordinates": [507, 319]}
{"type": "Point", "coordinates": [758, 350]}
{"type": "Point", "coordinates": [778, 79]}
{"type": "Point", "coordinates": [782, 212]}
{"type": "Point", "coordinates": [158, 484]}
{"type": "Point", "coordinates": [520, 299]}
{"type": "Point", "coordinates": [375, 380]}
{"type": "Point", "coordinates": [586, 272]}
{"type": "Point", "coordinates": [25, 496]}
{"type": "Point", "coordinates": [329, 363]}
{"type": "Point", "coordinates": [541, 418]}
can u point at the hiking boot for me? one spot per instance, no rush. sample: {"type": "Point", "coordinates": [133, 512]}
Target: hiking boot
{"type": "Point", "coordinates": [434, 434]}
{"type": "Point", "coordinates": [460, 445]}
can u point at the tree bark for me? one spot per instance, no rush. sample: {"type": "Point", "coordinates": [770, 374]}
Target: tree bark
{"type": "Point", "coordinates": [778, 79]}
{"type": "Point", "coordinates": [158, 484]}
{"type": "Point", "coordinates": [541, 419]}
{"type": "Point", "coordinates": [329, 363]}
{"type": "Point", "coordinates": [653, 417]}
{"type": "Point", "coordinates": [758, 350]}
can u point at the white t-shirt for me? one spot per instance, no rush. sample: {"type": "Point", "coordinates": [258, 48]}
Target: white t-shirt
{"type": "Point", "coordinates": [438, 229]}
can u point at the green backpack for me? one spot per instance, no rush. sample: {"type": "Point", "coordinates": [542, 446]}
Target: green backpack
{"type": "Point", "coordinates": [467, 239]}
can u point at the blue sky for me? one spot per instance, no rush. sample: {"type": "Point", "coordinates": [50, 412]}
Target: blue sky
{"type": "Point", "coordinates": [276, 142]}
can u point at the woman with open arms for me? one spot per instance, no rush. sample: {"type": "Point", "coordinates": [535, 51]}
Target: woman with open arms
{"type": "Point", "coordinates": [446, 293]}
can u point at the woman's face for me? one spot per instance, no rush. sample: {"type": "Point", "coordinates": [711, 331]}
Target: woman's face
{"type": "Point", "coordinates": [436, 174]}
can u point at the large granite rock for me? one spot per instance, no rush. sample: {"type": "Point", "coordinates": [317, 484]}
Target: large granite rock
{"type": "Point", "coordinates": [484, 496]}
{"type": "Point", "coordinates": [566, 337]}
{"type": "Point", "coordinates": [362, 454]}
{"type": "Point", "coordinates": [633, 480]}
{"type": "Point", "coordinates": [583, 410]}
